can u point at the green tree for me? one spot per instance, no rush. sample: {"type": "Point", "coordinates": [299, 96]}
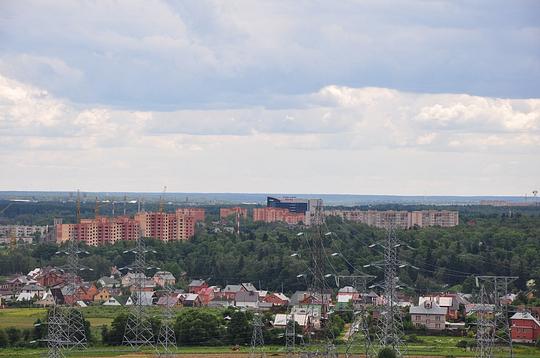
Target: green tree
{"type": "Point", "coordinates": [239, 328]}
{"type": "Point", "coordinates": [198, 326]}
{"type": "Point", "coordinates": [4, 342]}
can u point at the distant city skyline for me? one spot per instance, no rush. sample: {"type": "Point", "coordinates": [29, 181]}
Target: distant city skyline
{"type": "Point", "coordinates": [371, 97]}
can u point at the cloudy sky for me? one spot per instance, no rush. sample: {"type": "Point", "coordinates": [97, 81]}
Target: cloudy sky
{"type": "Point", "coordinates": [366, 97]}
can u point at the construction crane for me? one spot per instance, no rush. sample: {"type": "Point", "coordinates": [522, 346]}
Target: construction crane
{"type": "Point", "coordinates": [13, 238]}
{"type": "Point", "coordinates": [96, 210]}
{"type": "Point", "coordinates": [161, 198]}
{"type": "Point", "coordinates": [7, 207]}
{"type": "Point", "coordinates": [78, 206]}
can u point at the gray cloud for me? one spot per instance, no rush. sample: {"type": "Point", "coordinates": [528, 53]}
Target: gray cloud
{"type": "Point", "coordinates": [169, 55]}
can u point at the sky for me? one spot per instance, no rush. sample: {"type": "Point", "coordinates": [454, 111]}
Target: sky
{"type": "Point", "coordinates": [360, 97]}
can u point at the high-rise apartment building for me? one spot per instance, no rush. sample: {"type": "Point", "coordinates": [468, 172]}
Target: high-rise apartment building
{"type": "Point", "coordinates": [104, 230]}
{"type": "Point", "coordinates": [99, 231]}
{"type": "Point", "coordinates": [270, 215]}
{"type": "Point", "coordinates": [399, 219]}
{"type": "Point", "coordinates": [166, 226]}
{"type": "Point", "coordinates": [197, 213]}
{"type": "Point", "coordinates": [290, 210]}
{"type": "Point", "coordinates": [227, 212]}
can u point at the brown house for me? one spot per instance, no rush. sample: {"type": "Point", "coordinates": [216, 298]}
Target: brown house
{"type": "Point", "coordinates": [102, 295]}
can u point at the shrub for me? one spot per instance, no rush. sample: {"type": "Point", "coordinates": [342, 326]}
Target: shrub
{"type": "Point", "coordinates": [461, 344]}
{"type": "Point", "coordinates": [387, 352]}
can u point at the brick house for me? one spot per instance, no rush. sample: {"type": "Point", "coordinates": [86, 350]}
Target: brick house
{"type": "Point", "coordinates": [524, 328]}
{"type": "Point", "coordinates": [230, 291]}
{"type": "Point", "coordinates": [277, 299]}
{"type": "Point", "coordinates": [196, 286]}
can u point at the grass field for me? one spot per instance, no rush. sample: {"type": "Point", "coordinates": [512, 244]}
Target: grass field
{"type": "Point", "coordinates": [98, 316]}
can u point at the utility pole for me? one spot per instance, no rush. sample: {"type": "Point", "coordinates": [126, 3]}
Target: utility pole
{"type": "Point", "coordinates": [493, 337]}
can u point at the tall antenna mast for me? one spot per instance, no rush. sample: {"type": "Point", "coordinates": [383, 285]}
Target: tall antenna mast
{"type": "Point", "coordinates": [96, 210]}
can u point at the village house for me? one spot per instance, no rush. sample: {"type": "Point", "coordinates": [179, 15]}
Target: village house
{"type": "Point", "coordinates": [451, 301]}
{"type": "Point", "coordinates": [429, 315]}
{"type": "Point", "coordinates": [31, 292]}
{"type": "Point", "coordinates": [49, 277]}
{"type": "Point", "coordinates": [246, 299]}
{"type": "Point", "coordinates": [230, 291]}
{"type": "Point", "coordinates": [525, 328]}
{"type": "Point", "coordinates": [191, 300]}
{"type": "Point", "coordinates": [164, 278]}
{"type": "Point", "coordinates": [102, 295]}
{"type": "Point", "coordinates": [108, 282]}
{"type": "Point", "coordinates": [196, 286]}
{"type": "Point", "coordinates": [277, 299]}
{"type": "Point", "coordinates": [280, 320]}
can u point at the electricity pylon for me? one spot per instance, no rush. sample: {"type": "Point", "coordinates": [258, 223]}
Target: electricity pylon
{"type": "Point", "coordinates": [138, 331]}
{"type": "Point", "coordinates": [167, 337]}
{"type": "Point", "coordinates": [76, 330]}
{"type": "Point", "coordinates": [257, 339]}
{"type": "Point", "coordinates": [318, 289]}
{"type": "Point", "coordinates": [74, 327]}
{"type": "Point", "coordinates": [493, 338]}
{"type": "Point", "coordinates": [390, 323]}
{"type": "Point", "coordinates": [290, 335]}
{"type": "Point", "coordinates": [359, 334]}
{"type": "Point", "coordinates": [57, 339]}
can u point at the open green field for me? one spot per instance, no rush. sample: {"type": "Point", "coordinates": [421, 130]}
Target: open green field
{"type": "Point", "coordinates": [98, 316]}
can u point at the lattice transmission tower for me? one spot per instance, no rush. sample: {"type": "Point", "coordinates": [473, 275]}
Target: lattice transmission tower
{"type": "Point", "coordinates": [390, 322]}
{"type": "Point", "coordinates": [359, 334]}
{"type": "Point", "coordinates": [167, 337]}
{"type": "Point", "coordinates": [138, 331]}
{"type": "Point", "coordinates": [493, 338]}
{"type": "Point", "coordinates": [75, 324]}
{"type": "Point", "coordinates": [319, 341]}
{"type": "Point", "coordinates": [257, 338]}
{"type": "Point", "coordinates": [57, 339]}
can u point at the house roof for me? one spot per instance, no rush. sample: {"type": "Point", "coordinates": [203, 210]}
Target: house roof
{"type": "Point", "coordinates": [246, 296]}
{"type": "Point", "coordinates": [281, 319]}
{"type": "Point", "coordinates": [33, 287]}
{"type": "Point", "coordinates": [168, 300]}
{"type": "Point", "coordinates": [197, 283]}
{"type": "Point", "coordinates": [428, 308]}
{"type": "Point", "coordinates": [249, 286]}
{"type": "Point", "coordinates": [146, 297]}
{"type": "Point", "coordinates": [525, 316]}
{"type": "Point", "coordinates": [232, 288]}
{"type": "Point", "coordinates": [165, 275]}
{"type": "Point", "coordinates": [191, 297]}
{"type": "Point", "coordinates": [347, 289]}
{"type": "Point", "coordinates": [281, 296]}
{"type": "Point", "coordinates": [26, 296]}
{"type": "Point", "coordinates": [108, 280]}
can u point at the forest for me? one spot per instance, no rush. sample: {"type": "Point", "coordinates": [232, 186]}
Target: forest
{"type": "Point", "coordinates": [489, 241]}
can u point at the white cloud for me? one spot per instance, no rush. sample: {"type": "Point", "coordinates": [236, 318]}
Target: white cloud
{"type": "Point", "coordinates": [327, 135]}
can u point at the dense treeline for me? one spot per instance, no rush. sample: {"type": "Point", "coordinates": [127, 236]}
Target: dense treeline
{"type": "Point", "coordinates": [487, 244]}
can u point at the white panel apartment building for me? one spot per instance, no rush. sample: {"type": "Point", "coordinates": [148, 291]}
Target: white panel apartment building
{"type": "Point", "coordinates": [400, 219]}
